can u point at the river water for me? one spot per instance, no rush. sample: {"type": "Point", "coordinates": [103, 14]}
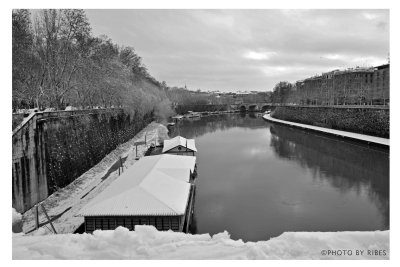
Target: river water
{"type": "Point", "coordinates": [257, 179]}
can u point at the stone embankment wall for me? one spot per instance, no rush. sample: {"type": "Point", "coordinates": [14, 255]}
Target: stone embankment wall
{"type": "Point", "coordinates": [52, 149]}
{"type": "Point", "coordinates": [369, 121]}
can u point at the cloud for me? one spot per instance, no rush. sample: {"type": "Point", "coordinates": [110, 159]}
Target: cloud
{"type": "Point", "coordinates": [370, 16]}
{"type": "Point", "coordinates": [246, 49]}
{"type": "Point", "coordinates": [258, 55]}
{"type": "Point", "coordinates": [332, 56]}
{"type": "Point", "coordinates": [215, 19]}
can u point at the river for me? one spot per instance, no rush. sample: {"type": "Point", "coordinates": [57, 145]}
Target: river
{"type": "Point", "coordinates": [257, 179]}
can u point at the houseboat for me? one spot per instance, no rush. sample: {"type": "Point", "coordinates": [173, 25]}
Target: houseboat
{"type": "Point", "coordinates": [179, 146]}
{"type": "Point", "coordinates": [191, 114]}
{"type": "Point", "coordinates": [157, 190]}
{"type": "Point", "coordinates": [177, 117]}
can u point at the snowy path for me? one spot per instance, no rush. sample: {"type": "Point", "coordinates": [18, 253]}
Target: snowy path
{"type": "Point", "coordinates": [362, 137]}
{"type": "Point", "coordinates": [65, 203]}
{"type": "Point", "coordinates": [148, 243]}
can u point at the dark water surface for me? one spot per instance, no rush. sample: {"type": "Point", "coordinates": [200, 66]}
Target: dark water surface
{"type": "Point", "coordinates": [257, 179]}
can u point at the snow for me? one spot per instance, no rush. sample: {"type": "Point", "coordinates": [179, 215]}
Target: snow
{"type": "Point", "coordinates": [66, 202]}
{"type": "Point", "coordinates": [363, 137]}
{"type": "Point", "coordinates": [148, 243]}
{"type": "Point", "coordinates": [16, 221]}
{"type": "Point", "coordinates": [148, 188]}
{"type": "Point", "coordinates": [70, 108]}
{"type": "Point", "coordinates": [16, 217]}
{"type": "Point", "coordinates": [179, 141]}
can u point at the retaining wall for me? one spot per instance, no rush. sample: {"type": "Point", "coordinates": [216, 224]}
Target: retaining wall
{"type": "Point", "coordinates": [369, 121]}
{"type": "Point", "coordinates": [52, 149]}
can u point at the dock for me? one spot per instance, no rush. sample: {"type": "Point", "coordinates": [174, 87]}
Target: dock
{"type": "Point", "coordinates": [349, 135]}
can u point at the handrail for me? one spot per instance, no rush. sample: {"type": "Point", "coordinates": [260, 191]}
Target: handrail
{"type": "Point", "coordinates": [33, 114]}
{"type": "Point", "coordinates": [22, 124]}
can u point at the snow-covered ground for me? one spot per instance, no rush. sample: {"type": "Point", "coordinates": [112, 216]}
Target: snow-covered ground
{"type": "Point", "coordinates": [148, 243]}
{"type": "Point", "coordinates": [66, 202]}
{"type": "Point", "coordinates": [351, 135]}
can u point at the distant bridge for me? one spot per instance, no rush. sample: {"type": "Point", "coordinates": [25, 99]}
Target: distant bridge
{"type": "Point", "coordinates": [252, 106]}
{"type": "Point", "coordinates": [263, 106]}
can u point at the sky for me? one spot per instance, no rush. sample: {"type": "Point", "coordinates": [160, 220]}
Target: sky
{"type": "Point", "coordinates": [245, 50]}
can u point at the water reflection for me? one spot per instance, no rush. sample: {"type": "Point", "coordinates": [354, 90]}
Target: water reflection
{"type": "Point", "coordinates": [345, 165]}
{"type": "Point", "coordinates": [192, 128]}
{"type": "Point", "coordinates": [257, 180]}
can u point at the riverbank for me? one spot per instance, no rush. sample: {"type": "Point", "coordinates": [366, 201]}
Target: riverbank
{"type": "Point", "coordinates": [366, 121]}
{"type": "Point", "coordinates": [354, 136]}
{"type": "Point", "coordinates": [148, 243]}
{"type": "Point", "coordinates": [62, 205]}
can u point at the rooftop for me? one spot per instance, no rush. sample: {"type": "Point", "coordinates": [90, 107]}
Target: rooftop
{"type": "Point", "coordinates": [179, 141]}
{"type": "Point", "coordinates": [155, 185]}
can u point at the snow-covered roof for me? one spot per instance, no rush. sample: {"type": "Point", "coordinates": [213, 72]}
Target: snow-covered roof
{"type": "Point", "coordinates": [155, 185]}
{"type": "Point", "coordinates": [179, 141]}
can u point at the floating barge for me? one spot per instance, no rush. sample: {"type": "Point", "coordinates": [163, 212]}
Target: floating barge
{"type": "Point", "coordinates": [157, 190]}
{"type": "Point", "coordinates": [177, 117]}
{"type": "Point", "coordinates": [179, 146]}
{"type": "Point", "coordinates": [191, 114]}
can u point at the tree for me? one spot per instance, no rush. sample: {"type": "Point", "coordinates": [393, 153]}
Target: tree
{"type": "Point", "coordinates": [61, 42]}
{"type": "Point", "coordinates": [57, 62]}
{"type": "Point", "coordinates": [23, 60]}
{"type": "Point", "coordinates": [133, 62]}
{"type": "Point", "coordinates": [281, 92]}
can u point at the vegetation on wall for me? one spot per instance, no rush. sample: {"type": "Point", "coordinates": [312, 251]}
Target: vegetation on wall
{"type": "Point", "coordinates": [75, 144]}
{"type": "Point", "coordinates": [365, 121]}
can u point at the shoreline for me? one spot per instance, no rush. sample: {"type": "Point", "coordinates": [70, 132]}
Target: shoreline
{"type": "Point", "coordinates": [63, 204]}
{"type": "Point", "coordinates": [368, 139]}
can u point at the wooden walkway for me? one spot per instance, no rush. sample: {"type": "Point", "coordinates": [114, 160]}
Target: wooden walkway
{"type": "Point", "coordinates": [355, 136]}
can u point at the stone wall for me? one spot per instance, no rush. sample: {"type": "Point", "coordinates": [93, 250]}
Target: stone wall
{"type": "Point", "coordinates": [369, 121]}
{"type": "Point", "coordinates": [52, 149]}
{"type": "Point", "coordinates": [29, 184]}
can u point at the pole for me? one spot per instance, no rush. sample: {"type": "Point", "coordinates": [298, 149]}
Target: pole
{"type": "Point", "coordinates": [36, 217]}
{"type": "Point", "coordinates": [157, 141]}
{"type": "Point", "coordinates": [48, 218]}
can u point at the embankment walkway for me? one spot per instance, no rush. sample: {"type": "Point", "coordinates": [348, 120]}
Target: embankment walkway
{"type": "Point", "coordinates": [63, 204]}
{"type": "Point", "coordinates": [355, 136]}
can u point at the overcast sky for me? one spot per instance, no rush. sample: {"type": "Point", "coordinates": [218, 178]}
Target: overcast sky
{"type": "Point", "coordinates": [232, 50]}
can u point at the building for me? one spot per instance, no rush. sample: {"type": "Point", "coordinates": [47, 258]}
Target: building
{"type": "Point", "coordinates": [354, 86]}
{"type": "Point", "coordinates": [381, 85]}
{"type": "Point", "coordinates": [179, 146]}
{"type": "Point", "coordinates": [157, 190]}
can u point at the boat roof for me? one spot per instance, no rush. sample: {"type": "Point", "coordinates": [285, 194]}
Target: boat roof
{"type": "Point", "coordinates": [179, 141]}
{"type": "Point", "coordinates": [154, 185]}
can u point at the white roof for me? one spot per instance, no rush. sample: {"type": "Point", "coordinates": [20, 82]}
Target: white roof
{"type": "Point", "coordinates": [155, 185]}
{"type": "Point", "coordinates": [179, 141]}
